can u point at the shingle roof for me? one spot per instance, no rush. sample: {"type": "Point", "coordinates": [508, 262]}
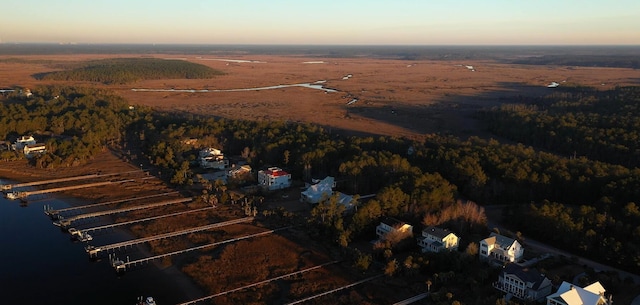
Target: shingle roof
{"type": "Point", "coordinates": [525, 274]}
{"type": "Point", "coordinates": [437, 232]}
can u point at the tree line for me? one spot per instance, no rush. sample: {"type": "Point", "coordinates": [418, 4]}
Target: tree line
{"type": "Point", "coordinates": [129, 70]}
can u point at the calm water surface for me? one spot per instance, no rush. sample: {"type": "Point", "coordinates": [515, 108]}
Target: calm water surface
{"type": "Point", "coordinates": [41, 265]}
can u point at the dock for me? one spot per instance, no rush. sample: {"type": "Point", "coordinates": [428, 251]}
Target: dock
{"type": "Point", "coordinates": [337, 289]}
{"type": "Point", "coordinates": [94, 251]}
{"type": "Point", "coordinates": [66, 222]}
{"type": "Point", "coordinates": [53, 214]}
{"type": "Point", "coordinates": [6, 187]}
{"type": "Point", "coordinates": [115, 225]}
{"type": "Point", "coordinates": [24, 194]}
{"type": "Point", "coordinates": [121, 266]}
{"type": "Point", "coordinates": [259, 283]}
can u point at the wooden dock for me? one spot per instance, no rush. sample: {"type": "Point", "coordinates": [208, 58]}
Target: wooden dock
{"type": "Point", "coordinates": [54, 213]}
{"type": "Point", "coordinates": [115, 225]}
{"type": "Point", "coordinates": [66, 222]}
{"type": "Point", "coordinates": [94, 251]}
{"type": "Point", "coordinates": [259, 283]}
{"type": "Point", "coordinates": [6, 187]}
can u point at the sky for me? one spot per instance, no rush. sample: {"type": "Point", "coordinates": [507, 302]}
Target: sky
{"type": "Point", "coordinates": [350, 22]}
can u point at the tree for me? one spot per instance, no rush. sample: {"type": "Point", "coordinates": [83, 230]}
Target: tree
{"type": "Point", "coordinates": [391, 268]}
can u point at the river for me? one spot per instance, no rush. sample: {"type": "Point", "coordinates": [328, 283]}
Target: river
{"type": "Point", "coordinates": [41, 265]}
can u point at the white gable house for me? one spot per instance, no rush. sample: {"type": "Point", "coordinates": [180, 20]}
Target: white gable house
{"type": "Point", "coordinates": [435, 239]}
{"type": "Point", "coordinates": [501, 248]}
{"type": "Point", "coordinates": [212, 158]}
{"type": "Point", "coordinates": [569, 294]}
{"type": "Point", "coordinates": [523, 283]}
{"type": "Point", "coordinates": [391, 226]}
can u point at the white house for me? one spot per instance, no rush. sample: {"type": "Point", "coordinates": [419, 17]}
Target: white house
{"type": "Point", "coordinates": [238, 172]}
{"type": "Point", "coordinates": [212, 158]}
{"type": "Point", "coordinates": [393, 226]}
{"type": "Point", "coordinates": [523, 283]}
{"type": "Point", "coordinates": [314, 193]}
{"type": "Point", "coordinates": [274, 178]}
{"type": "Point", "coordinates": [569, 294]}
{"type": "Point", "coordinates": [501, 248]}
{"type": "Point", "coordinates": [32, 149]}
{"type": "Point", "coordinates": [23, 141]}
{"type": "Point", "coordinates": [435, 239]}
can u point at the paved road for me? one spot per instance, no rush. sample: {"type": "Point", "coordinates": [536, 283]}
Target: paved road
{"type": "Point", "coordinates": [493, 222]}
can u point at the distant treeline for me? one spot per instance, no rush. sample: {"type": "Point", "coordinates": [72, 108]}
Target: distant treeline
{"type": "Point", "coordinates": [580, 122]}
{"type": "Point", "coordinates": [128, 70]}
{"type": "Point", "coordinates": [612, 61]}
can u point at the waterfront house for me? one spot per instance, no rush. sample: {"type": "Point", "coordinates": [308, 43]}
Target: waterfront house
{"type": "Point", "coordinates": [569, 294]}
{"type": "Point", "coordinates": [523, 283]}
{"type": "Point", "coordinates": [23, 141]}
{"type": "Point", "coordinates": [501, 248]}
{"type": "Point", "coordinates": [316, 192]}
{"type": "Point", "coordinates": [435, 239]}
{"type": "Point", "coordinates": [211, 158]}
{"type": "Point", "coordinates": [274, 178]}
{"type": "Point", "coordinates": [33, 149]}
{"type": "Point", "coordinates": [390, 226]}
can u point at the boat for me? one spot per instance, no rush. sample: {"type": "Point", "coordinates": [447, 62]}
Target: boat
{"type": "Point", "coordinates": [553, 85]}
{"type": "Point", "coordinates": [12, 195]}
{"type": "Point", "coordinates": [146, 301]}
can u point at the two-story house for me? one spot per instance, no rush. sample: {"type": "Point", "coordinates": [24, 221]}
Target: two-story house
{"type": "Point", "coordinates": [393, 227]}
{"type": "Point", "coordinates": [569, 294]}
{"type": "Point", "coordinates": [435, 239]}
{"type": "Point", "coordinates": [212, 158]}
{"type": "Point", "coordinates": [501, 248]}
{"type": "Point", "coordinates": [274, 178]}
{"type": "Point", "coordinates": [523, 283]}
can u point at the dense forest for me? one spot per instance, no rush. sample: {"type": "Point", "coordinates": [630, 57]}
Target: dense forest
{"type": "Point", "coordinates": [129, 70]}
{"type": "Point", "coordinates": [590, 195]}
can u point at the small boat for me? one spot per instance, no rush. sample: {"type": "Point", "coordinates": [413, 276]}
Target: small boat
{"type": "Point", "coordinates": [12, 195]}
{"type": "Point", "coordinates": [553, 85]}
{"type": "Point", "coordinates": [146, 301]}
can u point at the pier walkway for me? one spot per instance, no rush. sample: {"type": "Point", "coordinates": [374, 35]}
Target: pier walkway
{"type": "Point", "coordinates": [66, 222]}
{"type": "Point", "coordinates": [24, 194]}
{"type": "Point", "coordinates": [54, 213]}
{"type": "Point", "coordinates": [337, 289]}
{"type": "Point", "coordinates": [114, 225]}
{"type": "Point", "coordinates": [258, 283]}
{"type": "Point", "coordinates": [94, 251]}
{"type": "Point", "coordinates": [67, 179]}
{"type": "Point", "coordinates": [121, 266]}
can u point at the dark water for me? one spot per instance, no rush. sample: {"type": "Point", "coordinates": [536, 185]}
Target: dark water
{"type": "Point", "coordinates": [40, 264]}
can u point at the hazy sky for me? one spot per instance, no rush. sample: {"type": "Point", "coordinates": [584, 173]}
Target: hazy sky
{"type": "Point", "coordinates": [415, 22]}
